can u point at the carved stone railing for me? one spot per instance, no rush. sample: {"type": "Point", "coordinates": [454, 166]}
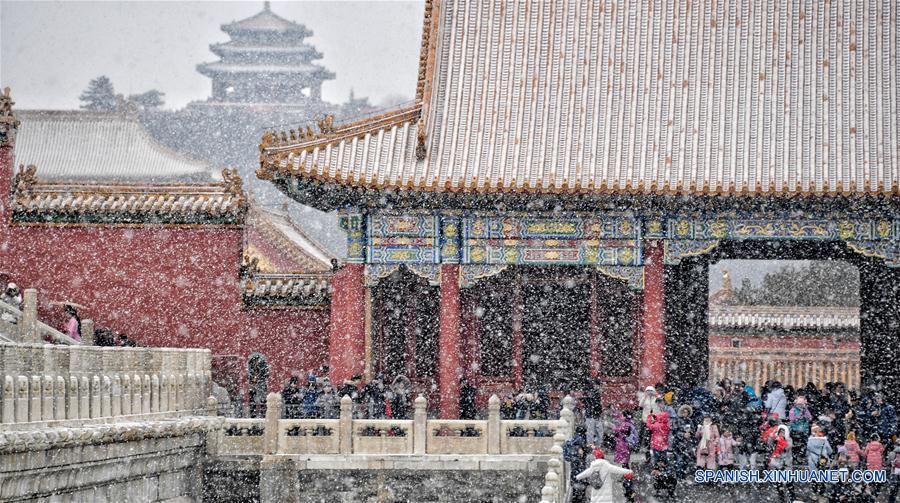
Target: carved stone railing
{"type": "Point", "coordinates": [522, 437]}
{"type": "Point", "coordinates": [493, 436]}
{"type": "Point", "coordinates": [240, 436]}
{"type": "Point", "coordinates": [309, 436]}
{"type": "Point", "coordinates": [794, 366]}
{"type": "Point", "coordinates": [46, 385]}
{"type": "Point", "coordinates": [457, 437]}
{"type": "Point", "coordinates": [382, 436]}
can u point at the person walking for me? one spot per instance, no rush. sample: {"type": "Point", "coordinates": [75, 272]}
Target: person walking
{"type": "Point", "coordinates": [727, 445]}
{"type": "Point", "coordinates": [626, 438]}
{"type": "Point", "coordinates": [818, 450]}
{"type": "Point", "coordinates": [799, 419]}
{"type": "Point", "coordinates": [708, 445]}
{"type": "Point", "coordinates": [600, 475]}
{"type": "Point", "coordinates": [851, 448]}
{"type": "Point", "coordinates": [658, 424]}
{"type": "Point", "coordinates": [593, 414]}
{"type": "Point", "coordinates": [776, 401]}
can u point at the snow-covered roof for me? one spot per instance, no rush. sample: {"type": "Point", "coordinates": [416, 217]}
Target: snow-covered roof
{"type": "Point", "coordinates": [634, 97]}
{"type": "Point", "coordinates": [784, 317]}
{"type": "Point", "coordinates": [289, 239]}
{"type": "Point", "coordinates": [301, 68]}
{"type": "Point", "coordinates": [288, 289]}
{"type": "Point", "coordinates": [79, 145]}
{"type": "Point", "coordinates": [41, 201]}
{"type": "Point", "coordinates": [267, 21]}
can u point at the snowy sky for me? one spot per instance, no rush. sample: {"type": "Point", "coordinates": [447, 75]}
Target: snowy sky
{"type": "Point", "coordinates": [50, 50]}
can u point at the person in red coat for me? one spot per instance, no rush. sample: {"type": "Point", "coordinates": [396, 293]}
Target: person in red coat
{"type": "Point", "coordinates": [658, 424]}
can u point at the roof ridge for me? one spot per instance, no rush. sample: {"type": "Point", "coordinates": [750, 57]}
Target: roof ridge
{"type": "Point", "coordinates": [287, 216]}
{"type": "Point", "coordinates": [283, 142]}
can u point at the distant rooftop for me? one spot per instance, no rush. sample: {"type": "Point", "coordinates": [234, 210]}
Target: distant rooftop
{"type": "Point", "coordinates": [267, 21]}
{"type": "Point", "coordinates": [79, 145]}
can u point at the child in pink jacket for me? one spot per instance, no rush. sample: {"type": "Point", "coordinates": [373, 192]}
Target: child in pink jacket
{"type": "Point", "coordinates": [874, 454]}
{"type": "Point", "coordinates": [852, 449]}
{"type": "Point", "coordinates": [726, 450]}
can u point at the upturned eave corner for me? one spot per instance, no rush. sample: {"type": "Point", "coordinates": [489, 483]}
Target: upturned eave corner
{"type": "Point", "coordinates": [9, 122]}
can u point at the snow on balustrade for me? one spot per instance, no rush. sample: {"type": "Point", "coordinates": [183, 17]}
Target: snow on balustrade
{"type": "Point", "coordinates": [382, 436]}
{"type": "Point", "coordinates": [415, 436]}
{"type": "Point", "coordinates": [49, 385]}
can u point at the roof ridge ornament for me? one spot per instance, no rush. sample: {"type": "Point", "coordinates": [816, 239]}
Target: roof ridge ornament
{"type": "Point", "coordinates": [234, 186]}
{"type": "Point", "coordinates": [326, 125]}
{"type": "Point", "coordinates": [9, 123]}
{"type": "Point", "coordinates": [25, 179]}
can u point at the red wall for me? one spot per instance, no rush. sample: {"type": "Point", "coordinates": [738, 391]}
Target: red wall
{"type": "Point", "coordinates": [162, 286]}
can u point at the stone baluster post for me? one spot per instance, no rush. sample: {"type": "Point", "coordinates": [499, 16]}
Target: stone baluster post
{"type": "Point", "coordinates": [568, 414]}
{"type": "Point", "coordinates": [179, 392]}
{"type": "Point", "coordinates": [95, 397]}
{"type": "Point", "coordinates": [551, 479]}
{"type": "Point", "coordinates": [47, 405]}
{"type": "Point", "coordinates": [126, 395]}
{"type": "Point", "coordinates": [21, 399]}
{"type": "Point", "coordinates": [493, 425]}
{"type": "Point", "coordinates": [87, 332]}
{"type": "Point", "coordinates": [34, 408]}
{"type": "Point", "coordinates": [555, 464]}
{"type": "Point", "coordinates": [346, 425]}
{"type": "Point", "coordinates": [60, 397]}
{"type": "Point", "coordinates": [154, 393]}
{"type": "Point", "coordinates": [164, 393]}
{"type": "Point", "coordinates": [106, 397]}
{"type": "Point", "coordinates": [173, 388]}
{"type": "Point", "coordinates": [9, 397]}
{"type": "Point", "coordinates": [190, 392]}
{"type": "Point", "coordinates": [72, 402]}
{"type": "Point", "coordinates": [116, 400]}
{"type": "Point", "coordinates": [147, 391]}
{"type": "Point", "coordinates": [137, 399]}
{"type": "Point", "coordinates": [420, 425]}
{"type": "Point", "coordinates": [273, 416]}
{"type": "Point", "coordinates": [212, 406]}
{"type": "Point", "coordinates": [547, 494]}
{"type": "Point", "coordinates": [84, 398]}
{"type": "Point", "coordinates": [28, 332]}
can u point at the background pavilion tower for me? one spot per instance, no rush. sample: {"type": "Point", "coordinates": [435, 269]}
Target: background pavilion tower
{"type": "Point", "coordinates": [266, 61]}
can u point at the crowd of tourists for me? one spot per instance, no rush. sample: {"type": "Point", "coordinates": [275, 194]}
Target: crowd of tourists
{"type": "Point", "coordinates": [315, 397]}
{"type": "Point", "coordinates": [731, 426]}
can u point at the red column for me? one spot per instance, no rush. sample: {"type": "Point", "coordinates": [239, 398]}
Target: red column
{"type": "Point", "coordinates": [448, 343]}
{"type": "Point", "coordinates": [594, 331]}
{"type": "Point", "coordinates": [653, 349]}
{"type": "Point", "coordinates": [347, 332]}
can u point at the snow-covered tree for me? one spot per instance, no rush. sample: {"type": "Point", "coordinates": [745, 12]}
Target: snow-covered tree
{"type": "Point", "coordinates": [148, 99]}
{"type": "Point", "coordinates": [100, 96]}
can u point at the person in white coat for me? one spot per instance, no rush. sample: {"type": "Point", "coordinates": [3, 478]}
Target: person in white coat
{"type": "Point", "coordinates": [776, 402]}
{"type": "Point", "coordinates": [602, 475]}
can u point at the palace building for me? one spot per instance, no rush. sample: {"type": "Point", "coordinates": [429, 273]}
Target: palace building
{"type": "Point", "coordinates": [547, 210]}
{"type": "Point", "coordinates": [266, 61]}
{"type": "Point", "coordinates": [151, 243]}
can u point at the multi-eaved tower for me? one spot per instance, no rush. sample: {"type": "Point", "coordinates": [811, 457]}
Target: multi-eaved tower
{"type": "Point", "coordinates": [266, 61]}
